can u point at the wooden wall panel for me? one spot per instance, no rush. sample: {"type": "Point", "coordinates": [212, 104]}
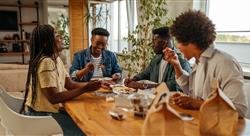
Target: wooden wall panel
{"type": "Point", "coordinates": [78, 26]}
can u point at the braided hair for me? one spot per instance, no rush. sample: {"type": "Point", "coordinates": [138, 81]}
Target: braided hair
{"type": "Point", "coordinates": [42, 44]}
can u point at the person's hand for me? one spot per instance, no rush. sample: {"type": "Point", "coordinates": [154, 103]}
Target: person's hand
{"type": "Point", "coordinates": [127, 81]}
{"type": "Point", "coordinates": [115, 77]}
{"type": "Point", "coordinates": [173, 97]}
{"type": "Point", "coordinates": [106, 85]}
{"type": "Point", "coordinates": [92, 86]}
{"type": "Point", "coordinates": [170, 56]}
{"type": "Point", "coordinates": [90, 66]}
{"type": "Point", "coordinates": [102, 66]}
{"type": "Point", "coordinates": [186, 102]}
{"type": "Point", "coordinates": [135, 85]}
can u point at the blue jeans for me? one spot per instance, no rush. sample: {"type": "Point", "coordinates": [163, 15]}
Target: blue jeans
{"type": "Point", "coordinates": [63, 119]}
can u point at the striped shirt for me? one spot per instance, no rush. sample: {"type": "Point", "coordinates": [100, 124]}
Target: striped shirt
{"type": "Point", "coordinates": [97, 64]}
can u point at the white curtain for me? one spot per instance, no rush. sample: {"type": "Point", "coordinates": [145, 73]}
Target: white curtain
{"type": "Point", "coordinates": [131, 16]}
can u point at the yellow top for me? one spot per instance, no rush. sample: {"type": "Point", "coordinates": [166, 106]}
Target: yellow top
{"type": "Point", "coordinates": [49, 74]}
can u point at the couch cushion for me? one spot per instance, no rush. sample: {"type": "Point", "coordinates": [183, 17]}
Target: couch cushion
{"type": "Point", "coordinates": [13, 80]}
{"type": "Point", "coordinates": [13, 66]}
{"type": "Point", "coordinates": [2, 129]}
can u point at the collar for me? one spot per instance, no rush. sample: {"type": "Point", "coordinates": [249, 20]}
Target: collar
{"type": "Point", "coordinates": [88, 53]}
{"type": "Point", "coordinates": [208, 53]}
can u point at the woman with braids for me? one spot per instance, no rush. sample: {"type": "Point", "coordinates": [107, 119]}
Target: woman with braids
{"type": "Point", "coordinates": [47, 79]}
{"type": "Point", "coordinates": [195, 34]}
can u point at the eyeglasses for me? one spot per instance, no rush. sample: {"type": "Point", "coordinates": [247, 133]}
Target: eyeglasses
{"type": "Point", "coordinates": [100, 43]}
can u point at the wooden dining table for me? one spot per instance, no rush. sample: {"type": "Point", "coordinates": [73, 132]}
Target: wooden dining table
{"type": "Point", "coordinates": [91, 114]}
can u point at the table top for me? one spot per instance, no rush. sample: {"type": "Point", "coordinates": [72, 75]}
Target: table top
{"type": "Point", "coordinates": [91, 114]}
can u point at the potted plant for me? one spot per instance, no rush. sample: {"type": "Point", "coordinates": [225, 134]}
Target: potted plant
{"type": "Point", "coordinates": [151, 16]}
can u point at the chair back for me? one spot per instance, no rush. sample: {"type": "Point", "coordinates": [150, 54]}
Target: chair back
{"type": "Point", "coordinates": [18, 124]}
{"type": "Point", "coordinates": [14, 103]}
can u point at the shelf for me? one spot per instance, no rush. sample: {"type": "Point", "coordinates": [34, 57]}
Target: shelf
{"type": "Point", "coordinates": [13, 53]}
{"type": "Point", "coordinates": [28, 23]}
{"type": "Point", "coordinates": [14, 41]}
{"type": "Point", "coordinates": [14, 5]}
{"type": "Point", "coordinates": [23, 25]}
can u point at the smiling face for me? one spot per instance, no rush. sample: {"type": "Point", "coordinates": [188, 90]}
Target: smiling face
{"type": "Point", "coordinates": [99, 43]}
{"type": "Point", "coordinates": [59, 42]}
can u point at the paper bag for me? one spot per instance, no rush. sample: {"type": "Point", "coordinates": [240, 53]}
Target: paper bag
{"type": "Point", "coordinates": [218, 116]}
{"type": "Point", "coordinates": [160, 120]}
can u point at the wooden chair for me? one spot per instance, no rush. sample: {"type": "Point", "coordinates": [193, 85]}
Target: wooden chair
{"type": "Point", "coordinates": [18, 124]}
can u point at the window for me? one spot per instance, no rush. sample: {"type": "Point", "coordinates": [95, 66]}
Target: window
{"type": "Point", "coordinates": [55, 12]}
{"type": "Point", "coordinates": [114, 17]}
{"type": "Point", "coordinates": [232, 25]}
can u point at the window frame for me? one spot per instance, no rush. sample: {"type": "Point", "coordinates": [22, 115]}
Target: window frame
{"type": "Point", "coordinates": [245, 66]}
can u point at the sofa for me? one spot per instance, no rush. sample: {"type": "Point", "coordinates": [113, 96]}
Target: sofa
{"type": "Point", "coordinates": [13, 78]}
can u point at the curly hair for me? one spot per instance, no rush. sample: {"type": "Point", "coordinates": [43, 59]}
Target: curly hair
{"type": "Point", "coordinates": [194, 27]}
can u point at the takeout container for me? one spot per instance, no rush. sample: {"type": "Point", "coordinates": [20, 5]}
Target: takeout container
{"type": "Point", "coordinates": [140, 104]}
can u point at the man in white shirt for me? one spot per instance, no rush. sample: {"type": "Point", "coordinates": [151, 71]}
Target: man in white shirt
{"type": "Point", "coordinates": [195, 34]}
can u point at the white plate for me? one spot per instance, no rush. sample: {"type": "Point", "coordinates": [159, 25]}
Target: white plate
{"type": "Point", "coordinates": [101, 78]}
{"type": "Point", "coordinates": [146, 82]}
{"type": "Point", "coordinates": [121, 89]}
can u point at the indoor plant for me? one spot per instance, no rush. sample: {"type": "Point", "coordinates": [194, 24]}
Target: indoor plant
{"type": "Point", "coordinates": [152, 14]}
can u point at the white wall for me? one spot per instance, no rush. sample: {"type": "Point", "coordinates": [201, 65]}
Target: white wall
{"type": "Point", "coordinates": [175, 7]}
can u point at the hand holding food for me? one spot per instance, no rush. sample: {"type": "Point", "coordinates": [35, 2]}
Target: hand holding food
{"type": "Point", "coordinates": [92, 86]}
{"type": "Point", "coordinates": [115, 77]}
{"type": "Point", "coordinates": [186, 102]}
{"type": "Point", "coordinates": [90, 66]}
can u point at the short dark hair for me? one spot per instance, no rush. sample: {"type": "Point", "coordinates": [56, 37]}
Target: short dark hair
{"type": "Point", "coordinates": [194, 27]}
{"type": "Point", "coordinates": [100, 31]}
{"type": "Point", "coordinates": [163, 32]}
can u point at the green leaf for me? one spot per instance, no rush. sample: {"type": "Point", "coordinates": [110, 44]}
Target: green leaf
{"type": "Point", "coordinates": [152, 13]}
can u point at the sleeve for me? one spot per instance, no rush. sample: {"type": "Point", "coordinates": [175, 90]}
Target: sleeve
{"type": "Point", "coordinates": [115, 66]}
{"type": "Point", "coordinates": [66, 73]}
{"type": "Point", "coordinates": [75, 67]}
{"type": "Point", "coordinates": [231, 82]}
{"type": "Point", "coordinates": [47, 73]}
{"type": "Point", "coordinates": [183, 82]}
{"type": "Point", "coordinates": [145, 74]}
